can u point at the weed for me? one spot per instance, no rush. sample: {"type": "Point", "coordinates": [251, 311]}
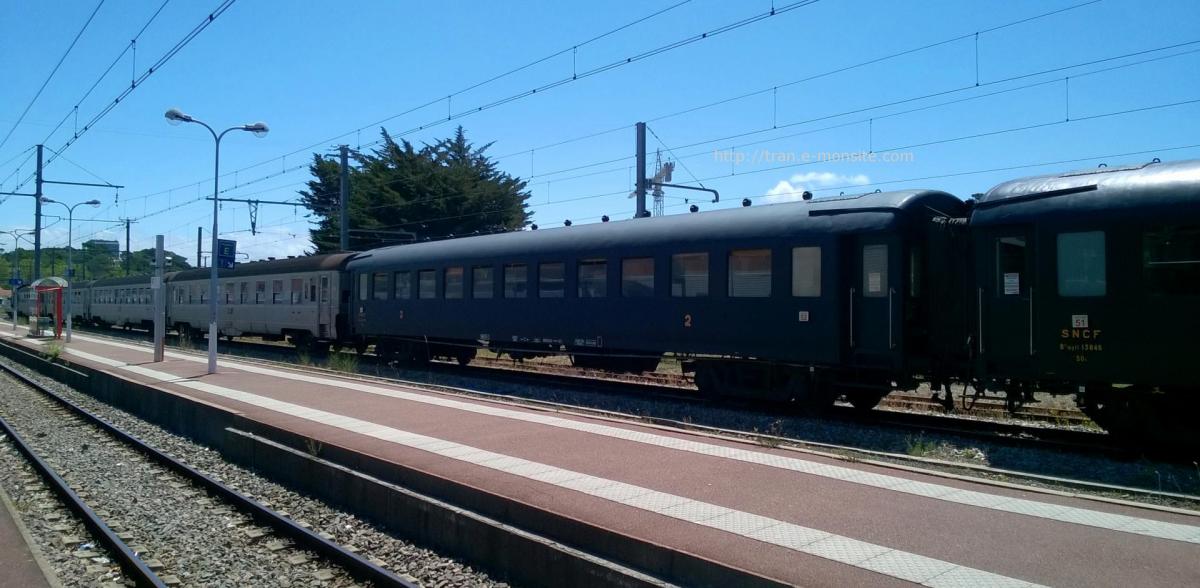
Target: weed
{"type": "Point", "coordinates": [770, 437]}
{"type": "Point", "coordinates": [53, 350]}
{"type": "Point", "coordinates": [313, 447]}
{"type": "Point", "coordinates": [184, 342]}
{"type": "Point", "coordinates": [303, 358]}
{"type": "Point", "coordinates": [918, 446]}
{"type": "Point", "coordinates": [343, 362]}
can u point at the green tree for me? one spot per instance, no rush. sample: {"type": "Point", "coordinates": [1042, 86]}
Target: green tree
{"type": "Point", "coordinates": [399, 192]}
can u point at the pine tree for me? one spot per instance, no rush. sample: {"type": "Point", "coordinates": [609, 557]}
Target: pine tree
{"type": "Point", "coordinates": [450, 188]}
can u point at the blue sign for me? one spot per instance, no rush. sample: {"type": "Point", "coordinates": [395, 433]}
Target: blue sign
{"type": "Point", "coordinates": [18, 282]}
{"type": "Point", "coordinates": [226, 253]}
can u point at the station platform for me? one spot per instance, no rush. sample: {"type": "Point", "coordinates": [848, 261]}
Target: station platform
{"type": "Point", "coordinates": [776, 514]}
{"type": "Point", "coordinates": [20, 566]}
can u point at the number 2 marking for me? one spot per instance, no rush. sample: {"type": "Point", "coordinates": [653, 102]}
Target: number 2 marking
{"type": "Point", "coordinates": [687, 321]}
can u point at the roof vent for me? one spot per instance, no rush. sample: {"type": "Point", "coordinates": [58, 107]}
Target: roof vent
{"type": "Point", "coordinates": [745, 202]}
{"type": "Point", "coordinates": [270, 259]}
{"type": "Point", "coordinates": [567, 223]}
{"type": "Point", "coordinates": [694, 208]}
{"type": "Point", "coordinates": [533, 227]}
{"type": "Point", "coordinates": [604, 219]}
{"type": "Point", "coordinates": [806, 195]}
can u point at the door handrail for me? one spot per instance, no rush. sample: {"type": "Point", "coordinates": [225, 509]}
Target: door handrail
{"type": "Point", "coordinates": [852, 318]}
{"type": "Point", "coordinates": [891, 324]}
{"type": "Point", "coordinates": [1031, 321]}
{"type": "Point", "coordinates": [979, 310]}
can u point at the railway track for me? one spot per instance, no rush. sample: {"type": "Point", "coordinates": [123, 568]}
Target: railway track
{"type": "Point", "coordinates": [521, 385]}
{"type": "Point", "coordinates": [164, 522]}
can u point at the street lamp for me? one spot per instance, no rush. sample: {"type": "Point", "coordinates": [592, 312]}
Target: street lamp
{"type": "Point", "coordinates": [175, 116]}
{"type": "Point", "coordinates": [70, 252]}
{"type": "Point", "coordinates": [16, 235]}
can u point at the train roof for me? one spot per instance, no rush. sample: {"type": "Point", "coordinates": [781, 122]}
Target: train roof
{"type": "Point", "coordinates": [875, 210]}
{"type": "Point", "coordinates": [292, 265]}
{"type": "Point", "coordinates": [1135, 189]}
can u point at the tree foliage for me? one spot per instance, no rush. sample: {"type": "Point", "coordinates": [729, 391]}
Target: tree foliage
{"type": "Point", "coordinates": [91, 263]}
{"type": "Point", "coordinates": [450, 188]}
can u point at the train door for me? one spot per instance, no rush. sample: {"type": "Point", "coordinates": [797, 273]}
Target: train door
{"type": "Point", "coordinates": [1005, 299]}
{"type": "Point", "coordinates": [324, 309]}
{"type": "Point", "coordinates": [871, 295]}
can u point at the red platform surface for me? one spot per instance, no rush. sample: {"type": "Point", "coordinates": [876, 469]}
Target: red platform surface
{"type": "Point", "coordinates": [791, 516]}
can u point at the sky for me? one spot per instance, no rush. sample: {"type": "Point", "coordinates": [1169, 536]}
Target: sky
{"type": "Point", "coordinates": [833, 96]}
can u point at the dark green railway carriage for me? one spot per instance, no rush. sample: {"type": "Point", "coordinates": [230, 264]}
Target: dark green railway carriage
{"type": "Point", "coordinates": [1089, 282]}
{"type": "Point", "coordinates": [766, 299]}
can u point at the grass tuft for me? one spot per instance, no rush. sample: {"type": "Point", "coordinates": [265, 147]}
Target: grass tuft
{"type": "Point", "coordinates": [343, 362]}
{"type": "Point", "coordinates": [919, 446]}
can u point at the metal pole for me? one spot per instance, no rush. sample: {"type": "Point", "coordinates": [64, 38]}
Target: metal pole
{"type": "Point", "coordinates": [344, 198]}
{"type": "Point", "coordinates": [70, 271]}
{"type": "Point", "coordinates": [128, 253]}
{"type": "Point", "coordinates": [640, 190]}
{"type": "Point", "coordinates": [160, 300]}
{"type": "Point", "coordinates": [199, 248]}
{"type": "Point", "coordinates": [15, 272]}
{"type": "Point", "coordinates": [212, 262]}
{"type": "Point", "coordinates": [37, 218]}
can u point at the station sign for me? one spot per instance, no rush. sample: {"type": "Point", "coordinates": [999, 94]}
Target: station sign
{"type": "Point", "coordinates": [226, 253]}
{"type": "Point", "coordinates": [18, 282]}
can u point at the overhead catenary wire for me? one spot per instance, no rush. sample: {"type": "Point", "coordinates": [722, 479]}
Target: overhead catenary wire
{"type": "Point", "coordinates": [544, 87]}
{"type": "Point", "coordinates": [53, 71]}
{"type": "Point", "coordinates": [132, 43]}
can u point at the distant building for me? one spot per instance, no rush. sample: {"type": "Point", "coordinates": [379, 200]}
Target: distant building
{"type": "Point", "coordinates": [113, 248]}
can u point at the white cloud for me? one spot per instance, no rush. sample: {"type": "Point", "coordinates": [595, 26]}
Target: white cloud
{"type": "Point", "coordinates": [792, 188]}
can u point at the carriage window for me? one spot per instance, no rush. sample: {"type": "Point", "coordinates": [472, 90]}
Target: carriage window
{"type": "Point", "coordinates": [363, 284]}
{"type": "Point", "coordinates": [1171, 258]}
{"type": "Point", "coordinates": [482, 285]}
{"type": "Point", "coordinates": [228, 292]}
{"type": "Point", "coordinates": [312, 291]}
{"type": "Point", "coordinates": [297, 292]}
{"type": "Point", "coordinates": [875, 271]}
{"type": "Point", "coordinates": [916, 270]}
{"type": "Point", "coordinates": [637, 277]}
{"type": "Point", "coordinates": [593, 278]}
{"type": "Point", "coordinates": [260, 293]}
{"type": "Point", "coordinates": [806, 271]}
{"type": "Point", "coordinates": [276, 291]}
{"type": "Point", "coordinates": [1081, 269]}
{"type": "Point", "coordinates": [245, 292]}
{"type": "Point", "coordinates": [689, 275]}
{"type": "Point", "coordinates": [403, 285]}
{"type": "Point", "coordinates": [1010, 266]}
{"type": "Point", "coordinates": [380, 286]}
{"type": "Point", "coordinates": [325, 289]}
{"type": "Point", "coordinates": [454, 282]}
{"type": "Point", "coordinates": [516, 281]}
{"type": "Point", "coordinates": [750, 273]}
{"type": "Point", "coordinates": [550, 280]}
{"type": "Point", "coordinates": [427, 288]}
{"type": "Point", "coordinates": [202, 292]}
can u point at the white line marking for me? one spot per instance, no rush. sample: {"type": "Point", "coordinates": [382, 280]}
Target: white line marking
{"type": "Point", "coordinates": [1033, 508]}
{"type": "Point", "coordinates": [876, 558]}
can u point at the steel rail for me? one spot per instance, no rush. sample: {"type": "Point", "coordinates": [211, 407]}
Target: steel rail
{"type": "Point", "coordinates": [356, 565]}
{"type": "Point", "coordinates": [133, 565]}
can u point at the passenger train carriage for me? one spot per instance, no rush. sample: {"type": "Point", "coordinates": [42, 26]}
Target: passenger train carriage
{"type": "Point", "coordinates": [802, 296]}
{"type": "Point", "coordinates": [294, 298]}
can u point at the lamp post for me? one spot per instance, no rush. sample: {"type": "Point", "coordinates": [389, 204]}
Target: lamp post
{"type": "Point", "coordinates": [70, 256]}
{"type": "Point", "coordinates": [16, 235]}
{"type": "Point", "coordinates": [175, 116]}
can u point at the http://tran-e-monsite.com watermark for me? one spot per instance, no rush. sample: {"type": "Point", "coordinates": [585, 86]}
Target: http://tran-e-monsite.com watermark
{"type": "Point", "coordinates": [768, 156]}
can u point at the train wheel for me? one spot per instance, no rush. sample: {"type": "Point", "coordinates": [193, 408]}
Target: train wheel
{"type": "Point", "coordinates": [465, 356]}
{"type": "Point", "coordinates": [865, 399]}
{"type": "Point", "coordinates": [708, 380]}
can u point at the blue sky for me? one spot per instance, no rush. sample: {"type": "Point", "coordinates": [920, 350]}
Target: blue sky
{"type": "Point", "coordinates": [317, 70]}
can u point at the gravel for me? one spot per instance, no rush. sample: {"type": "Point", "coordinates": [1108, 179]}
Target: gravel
{"type": "Point", "coordinates": [59, 535]}
{"type": "Point", "coordinates": [199, 539]}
